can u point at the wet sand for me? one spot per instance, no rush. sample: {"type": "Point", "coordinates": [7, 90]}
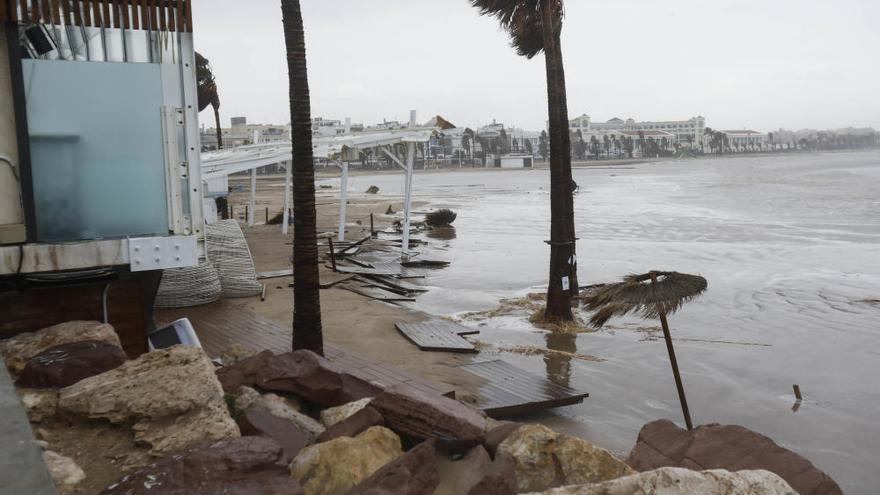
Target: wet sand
{"type": "Point", "coordinates": [789, 245]}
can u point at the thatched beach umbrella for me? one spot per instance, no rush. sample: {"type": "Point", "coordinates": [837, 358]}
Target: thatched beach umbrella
{"type": "Point", "coordinates": [651, 295]}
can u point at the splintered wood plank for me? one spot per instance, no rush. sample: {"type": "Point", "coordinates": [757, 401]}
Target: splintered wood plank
{"type": "Point", "coordinates": [510, 390]}
{"type": "Point", "coordinates": [220, 325]}
{"type": "Point", "coordinates": [435, 335]}
{"type": "Point", "coordinates": [390, 268]}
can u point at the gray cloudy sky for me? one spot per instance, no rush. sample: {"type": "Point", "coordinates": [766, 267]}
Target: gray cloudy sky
{"type": "Point", "coordinates": [741, 63]}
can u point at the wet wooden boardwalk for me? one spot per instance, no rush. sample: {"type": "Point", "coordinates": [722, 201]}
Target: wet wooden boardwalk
{"type": "Point", "coordinates": [221, 325]}
{"type": "Point", "coordinates": [437, 335]}
{"type": "Point", "coordinates": [510, 390]}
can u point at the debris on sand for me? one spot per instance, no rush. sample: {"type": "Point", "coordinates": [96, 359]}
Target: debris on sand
{"type": "Point", "coordinates": [372, 190]}
{"type": "Point", "coordinates": [531, 350]}
{"type": "Point", "coordinates": [440, 218]}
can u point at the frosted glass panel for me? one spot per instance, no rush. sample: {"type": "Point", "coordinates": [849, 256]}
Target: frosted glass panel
{"type": "Point", "coordinates": [96, 149]}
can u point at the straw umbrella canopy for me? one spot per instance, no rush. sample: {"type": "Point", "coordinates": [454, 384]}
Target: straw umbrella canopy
{"type": "Point", "coordinates": [655, 294]}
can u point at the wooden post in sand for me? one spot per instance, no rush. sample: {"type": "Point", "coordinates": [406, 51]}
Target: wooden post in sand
{"type": "Point", "coordinates": [332, 254]}
{"type": "Point", "coordinates": [372, 229]}
{"type": "Point", "coordinates": [668, 337]}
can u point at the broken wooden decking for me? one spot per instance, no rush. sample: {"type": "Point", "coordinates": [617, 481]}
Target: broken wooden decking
{"type": "Point", "coordinates": [220, 325]}
{"type": "Point", "coordinates": [438, 335]}
{"type": "Point", "coordinates": [511, 390]}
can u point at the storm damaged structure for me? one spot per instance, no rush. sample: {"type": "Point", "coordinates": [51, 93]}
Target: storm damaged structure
{"type": "Point", "coordinates": [100, 178]}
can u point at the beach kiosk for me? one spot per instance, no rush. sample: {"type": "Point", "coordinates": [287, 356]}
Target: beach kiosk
{"type": "Point", "coordinates": [100, 186]}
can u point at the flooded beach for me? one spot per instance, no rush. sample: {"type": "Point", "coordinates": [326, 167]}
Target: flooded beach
{"type": "Point", "coordinates": [788, 244]}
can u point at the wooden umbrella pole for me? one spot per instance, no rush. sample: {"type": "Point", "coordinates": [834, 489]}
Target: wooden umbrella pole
{"type": "Point", "coordinates": [668, 337]}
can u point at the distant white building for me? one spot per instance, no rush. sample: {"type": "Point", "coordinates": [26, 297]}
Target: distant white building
{"type": "Point", "coordinates": [685, 132]}
{"type": "Point", "coordinates": [745, 139]}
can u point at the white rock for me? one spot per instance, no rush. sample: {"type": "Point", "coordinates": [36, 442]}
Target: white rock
{"type": "Point", "coordinates": [66, 473]}
{"type": "Point", "coordinates": [680, 481]}
{"type": "Point", "coordinates": [333, 415]}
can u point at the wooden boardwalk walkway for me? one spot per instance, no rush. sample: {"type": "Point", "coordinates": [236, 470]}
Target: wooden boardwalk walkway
{"type": "Point", "coordinates": [221, 325]}
{"type": "Point", "coordinates": [510, 390]}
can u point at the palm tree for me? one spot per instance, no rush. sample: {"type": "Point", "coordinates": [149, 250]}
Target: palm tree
{"type": "Point", "coordinates": [307, 332]}
{"type": "Point", "coordinates": [535, 26]}
{"type": "Point", "coordinates": [206, 87]}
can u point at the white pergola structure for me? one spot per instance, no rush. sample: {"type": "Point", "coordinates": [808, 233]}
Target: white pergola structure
{"type": "Point", "coordinates": [347, 147]}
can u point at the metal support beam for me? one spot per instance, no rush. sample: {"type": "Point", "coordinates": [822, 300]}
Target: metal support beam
{"type": "Point", "coordinates": [285, 215]}
{"type": "Point", "coordinates": [407, 199]}
{"type": "Point", "coordinates": [393, 157]}
{"type": "Point", "coordinates": [343, 200]}
{"type": "Point", "coordinates": [253, 203]}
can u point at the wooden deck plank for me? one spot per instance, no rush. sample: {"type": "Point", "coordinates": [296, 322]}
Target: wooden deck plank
{"type": "Point", "coordinates": [510, 390]}
{"type": "Point", "coordinates": [220, 325]}
{"type": "Point", "coordinates": [435, 335]}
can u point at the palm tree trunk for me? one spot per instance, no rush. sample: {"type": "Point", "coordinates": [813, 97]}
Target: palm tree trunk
{"type": "Point", "coordinates": [563, 263]}
{"type": "Point", "coordinates": [217, 124]}
{"type": "Point", "coordinates": [307, 332]}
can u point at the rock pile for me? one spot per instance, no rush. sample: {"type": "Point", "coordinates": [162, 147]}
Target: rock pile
{"type": "Point", "coordinates": [18, 350]}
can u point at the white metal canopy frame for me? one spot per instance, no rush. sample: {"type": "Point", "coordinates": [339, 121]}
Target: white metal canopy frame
{"type": "Point", "coordinates": [220, 164]}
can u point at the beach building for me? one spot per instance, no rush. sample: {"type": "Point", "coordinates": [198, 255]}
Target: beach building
{"type": "Point", "coordinates": [100, 175]}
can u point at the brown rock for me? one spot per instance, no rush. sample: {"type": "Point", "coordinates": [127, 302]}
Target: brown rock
{"type": "Point", "coordinates": [496, 435]}
{"type": "Point", "coordinates": [19, 349]}
{"type": "Point", "coordinates": [69, 363]}
{"type": "Point", "coordinates": [414, 473]}
{"type": "Point", "coordinates": [234, 466]}
{"type": "Point", "coordinates": [455, 426]}
{"type": "Point", "coordinates": [302, 373]}
{"type": "Point", "coordinates": [262, 423]}
{"type": "Point", "coordinates": [353, 425]}
{"type": "Point", "coordinates": [661, 443]}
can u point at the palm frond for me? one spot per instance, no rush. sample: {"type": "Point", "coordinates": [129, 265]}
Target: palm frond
{"type": "Point", "coordinates": [638, 294]}
{"type": "Point", "coordinates": [522, 21]}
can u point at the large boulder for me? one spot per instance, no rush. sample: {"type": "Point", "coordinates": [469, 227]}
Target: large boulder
{"type": "Point", "coordinates": [333, 415]}
{"type": "Point", "coordinates": [170, 397]}
{"type": "Point", "coordinates": [661, 443]}
{"type": "Point", "coordinates": [234, 466]}
{"type": "Point", "coordinates": [66, 364]}
{"type": "Point", "coordinates": [18, 350]}
{"type": "Point", "coordinates": [679, 481]}
{"type": "Point", "coordinates": [259, 422]}
{"type": "Point", "coordinates": [456, 427]}
{"type": "Point", "coordinates": [64, 471]}
{"type": "Point", "coordinates": [545, 459]}
{"type": "Point", "coordinates": [500, 481]}
{"type": "Point", "coordinates": [302, 373]}
{"type": "Point", "coordinates": [353, 425]}
{"type": "Point", "coordinates": [499, 433]}
{"type": "Point", "coordinates": [332, 468]}
{"type": "Point", "coordinates": [247, 397]}
{"type": "Point", "coordinates": [414, 473]}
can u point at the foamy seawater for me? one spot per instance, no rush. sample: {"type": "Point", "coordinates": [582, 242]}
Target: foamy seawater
{"type": "Point", "coordinates": [790, 246]}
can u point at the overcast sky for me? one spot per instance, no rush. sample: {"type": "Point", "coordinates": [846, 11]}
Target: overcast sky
{"type": "Point", "coordinates": [740, 63]}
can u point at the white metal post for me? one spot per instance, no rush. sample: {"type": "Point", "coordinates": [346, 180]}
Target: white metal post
{"type": "Point", "coordinates": [407, 199]}
{"type": "Point", "coordinates": [253, 205]}
{"type": "Point", "coordinates": [285, 218]}
{"type": "Point", "coordinates": [343, 199]}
